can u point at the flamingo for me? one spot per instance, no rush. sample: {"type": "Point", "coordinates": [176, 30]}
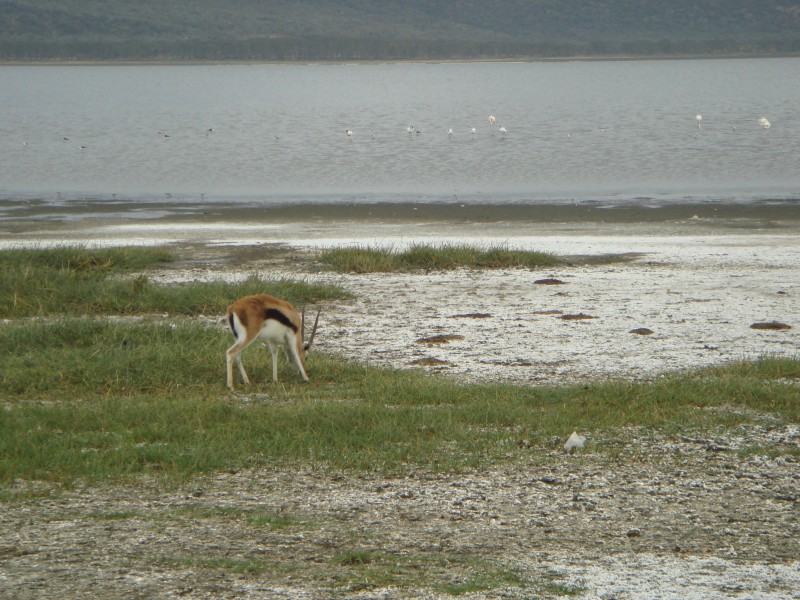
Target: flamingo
{"type": "Point", "coordinates": [450, 133]}
{"type": "Point", "coordinates": [349, 133]}
{"type": "Point", "coordinates": [503, 130]}
{"type": "Point", "coordinates": [764, 122]}
{"type": "Point", "coordinates": [492, 120]}
{"type": "Point", "coordinates": [699, 119]}
{"type": "Point", "coordinates": [472, 131]}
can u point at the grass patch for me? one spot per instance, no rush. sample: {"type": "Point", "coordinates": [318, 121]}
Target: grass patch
{"type": "Point", "coordinates": [363, 570]}
{"type": "Point", "coordinates": [560, 589]}
{"type": "Point", "coordinates": [359, 557]}
{"type": "Point", "coordinates": [88, 399]}
{"type": "Point", "coordinates": [222, 564]}
{"type": "Point", "coordinates": [426, 257]}
{"type": "Point", "coordinates": [487, 577]}
{"type": "Point", "coordinates": [79, 259]}
{"type": "Point", "coordinates": [257, 518]}
{"type": "Point", "coordinates": [452, 574]}
{"type": "Point", "coordinates": [76, 281]}
{"type": "Point", "coordinates": [93, 400]}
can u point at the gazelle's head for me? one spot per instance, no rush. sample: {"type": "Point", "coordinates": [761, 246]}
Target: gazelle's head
{"type": "Point", "coordinates": [307, 345]}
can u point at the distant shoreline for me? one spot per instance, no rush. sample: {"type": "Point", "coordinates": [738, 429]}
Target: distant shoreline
{"type": "Point", "coordinates": [57, 62]}
{"type": "Point", "coordinates": [625, 211]}
{"type": "Point", "coordinates": [28, 221]}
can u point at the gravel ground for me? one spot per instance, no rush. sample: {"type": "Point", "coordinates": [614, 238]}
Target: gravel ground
{"type": "Point", "coordinates": [664, 519]}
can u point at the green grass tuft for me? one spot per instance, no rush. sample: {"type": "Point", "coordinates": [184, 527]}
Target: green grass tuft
{"type": "Point", "coordinates": [425, 257]}
{"type": "Point", "coordinates": [77, 281]}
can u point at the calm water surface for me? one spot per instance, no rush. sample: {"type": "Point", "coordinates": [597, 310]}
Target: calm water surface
{"type": "Point", "coordinates": [577, 131]}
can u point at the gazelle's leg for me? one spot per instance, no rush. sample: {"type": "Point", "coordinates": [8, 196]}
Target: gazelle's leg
{"type": "Point", "coordinates": [235, 353]}
{"type": "Point", "coordinates": [245, 378]}
{"type": "Point", "coordinates": [229, 368]}
{"type": "Point", "coordinates": [291, 351]}
{"type": "Point", "coordinates": [273, 350]}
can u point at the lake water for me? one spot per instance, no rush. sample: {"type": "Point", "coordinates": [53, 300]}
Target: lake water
{"type": "Point", "coordinates": [576, 131]}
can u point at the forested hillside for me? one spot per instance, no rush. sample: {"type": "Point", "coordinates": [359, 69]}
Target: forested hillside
{"type": "Point", "coordinates": [385, 30]}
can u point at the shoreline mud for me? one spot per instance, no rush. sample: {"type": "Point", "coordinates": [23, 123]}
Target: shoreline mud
{"type": "Point", "coordinates": [26, 222]}
{"type": "Point", "coordinates": [643, 210]}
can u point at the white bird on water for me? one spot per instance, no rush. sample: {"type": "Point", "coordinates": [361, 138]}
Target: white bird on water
{"type": "Point", "coordinates": [492, 120]}
{"type": "Point", "coordinates": [472, 131]}
{"type": "Point", "coordinates": [450, 133]}
{"type": "Point", "coordinates": [503, 130]}
{"type": "Point", "coordinates": [699, 119]}
{"type": "Point", "coordinates": [764, 122]}
{"type": "Point", "coordinates": [349, 133]}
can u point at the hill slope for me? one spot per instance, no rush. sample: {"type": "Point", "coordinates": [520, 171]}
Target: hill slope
{"type": "Point", "coordinates": [383, 29]}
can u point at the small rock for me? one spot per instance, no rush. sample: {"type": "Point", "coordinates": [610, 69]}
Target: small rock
{"type": "Point", "coordinates": [429, 361]}
{"type": "Point", "coordinates": [575, 442]}
{"type": "Point", "coordinates": [633, 533]}
{"type": "Point", "coordinates": [578, 317]}
{"type": "Point", "coordinates": [641, 331]}
{"type": "Point", "coordinates": [549, 281]}
{"type": "Point", "coordinates": [774, 325]}
{"type": "Point", "coordinates": [439, 339]}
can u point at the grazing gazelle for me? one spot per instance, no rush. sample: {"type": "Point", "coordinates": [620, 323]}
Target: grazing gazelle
{"type": "Point", "coordinates": [273, 320]}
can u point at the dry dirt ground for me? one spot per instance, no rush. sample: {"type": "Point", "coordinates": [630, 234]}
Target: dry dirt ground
{"type": "Point", "coordinates": [686, 519]}
{"type": "Point", "coordinates": [696, 517]}
{"type": "Point", "coordinates": [695, 295]}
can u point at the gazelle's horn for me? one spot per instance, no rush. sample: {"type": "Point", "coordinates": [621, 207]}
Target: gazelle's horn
{"type": "Point", "coordinates": [313, 330]}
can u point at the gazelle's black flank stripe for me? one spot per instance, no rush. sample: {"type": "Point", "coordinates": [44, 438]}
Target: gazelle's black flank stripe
{"type": "Point", "coordinates": [275, 314]}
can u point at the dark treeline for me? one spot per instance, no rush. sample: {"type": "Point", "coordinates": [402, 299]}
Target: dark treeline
{"type": "Point", "coordinates": [276, 30]}
{"type": "Point", "coordinates": [315, 48]}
